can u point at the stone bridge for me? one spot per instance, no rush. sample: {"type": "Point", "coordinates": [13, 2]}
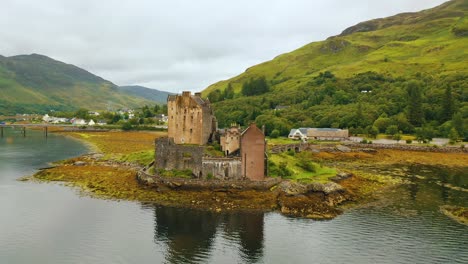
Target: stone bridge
{"type": "Point", "coordinates": [296, 147]}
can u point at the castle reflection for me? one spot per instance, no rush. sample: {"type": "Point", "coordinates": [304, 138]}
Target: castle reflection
{"type": "Point", "coordinates": [191, 235]}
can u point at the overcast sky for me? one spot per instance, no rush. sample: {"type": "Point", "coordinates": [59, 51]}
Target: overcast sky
{"type": "Point", "coordinates": [178, 45]}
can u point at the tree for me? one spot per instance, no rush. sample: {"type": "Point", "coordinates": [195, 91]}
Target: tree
{"type": "Point", "coordinates": [275, 133]}
{"type": "Point", "coordinates": [215, 96]}
{"type": "Point", "coordinates": [447, 104]}
{"type": "Point", "coordinates": [424, 134]}
{"type": "Point", "coordinates": [156, 109]}
{"type": "Point", "coordinates": [82, 113]}
{"type": "Point", "coordinates": [453, 136]}
{"type": "Point", "coordinates": [391, 130]}
{"type": "Point", "coordinates": [415, 112]}
{"type": "Point", "coordinates": [397, 137]}
{"type": "Point", "coordinates": [382, 123]}
{"type": "Point", "coordinates": [373, 131]}
{"type": "Point", "coordinates": [255, 86]}
{"type": "Point", "coordinates": [457, 123]}
{"type": "Point", "coordinates": [127, 126]}
{"type": "Point", "coordinates": [229, 92]}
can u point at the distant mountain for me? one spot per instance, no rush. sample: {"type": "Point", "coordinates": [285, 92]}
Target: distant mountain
{"type": "Point", "coordinates": [368, 72]}
{"type": "Point", "coordinates": [37, 83]}
{"type": "Point", "coordinates": [144, 92]}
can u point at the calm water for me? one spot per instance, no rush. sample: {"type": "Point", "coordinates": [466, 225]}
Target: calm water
{"type": "Point", "coordinates": [50, 223]}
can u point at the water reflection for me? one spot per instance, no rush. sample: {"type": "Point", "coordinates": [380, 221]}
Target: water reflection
{"type": "Point", "coordinates": [190, 235]}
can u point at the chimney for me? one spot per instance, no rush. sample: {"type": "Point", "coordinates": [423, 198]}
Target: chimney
{"type": "Point", "coordinates": [186, 93]}
{"type": "Point", "coordinates": [198, 94]}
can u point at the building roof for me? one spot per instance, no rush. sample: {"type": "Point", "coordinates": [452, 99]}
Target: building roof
{"type": "Point", "coordinates": [326, 129]}
{"type": "Point", "coordinates": [253, 126]}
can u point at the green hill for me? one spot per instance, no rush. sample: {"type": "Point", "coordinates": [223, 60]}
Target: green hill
{"type": "Point", "coordinates": [36, 83]}
{"type": "Point", "coordinates": [352, 79]}
{"type": "Point", "coordinates": [144, 92]}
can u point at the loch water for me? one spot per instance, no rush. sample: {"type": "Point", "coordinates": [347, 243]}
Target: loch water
{"type": "Point", "coordinates": [53, 223]}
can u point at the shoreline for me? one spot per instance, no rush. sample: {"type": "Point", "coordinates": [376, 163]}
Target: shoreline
{"type": "Point", "coordinates": [100, 174]}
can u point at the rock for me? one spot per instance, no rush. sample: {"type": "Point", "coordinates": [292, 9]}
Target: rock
{"type": "Point", "coordinates": [332, 187]}
{"type": "Point", "coordinates": [174, 185]}
{"type": "Point", "coordinates": [326, 188]}
{"type": "Point", "coordinates": [292, 188]}
{"type": "Point", "coordinates": [341, 176]}
{"type": "Point", "coordinates": [343, 148]}
{"type": "Point", "coordinates": [97, 156]}
{"type": "Point", "coordinates": [369, 150]}
{"type": "Point", "coordinates": [79, 163]}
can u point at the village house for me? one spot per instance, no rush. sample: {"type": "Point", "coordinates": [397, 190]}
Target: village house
{"type": "Point", "coordinates": [78, 122]}
{"type": "Point", "coordinates": [192, 126]}
{"type": "Point", "coordinates": [299, 134]}
{"type": "Point", "coordinates": [327, 134]}
{"type": "Point", "coordinates": [319, 134]}
{"type": "Point", "coordinates": [101, 122]}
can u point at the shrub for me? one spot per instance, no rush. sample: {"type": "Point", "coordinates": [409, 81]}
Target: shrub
{"type": "Point", "coordinates": [275, 133]}
{"type": "Point", "coordinates": [409, 141]}
{"type": "Point", "coordinates": [364, 141]}
{"type": "Point", "coordinates": [307, 165]}
{"type": "Point", "coordinates": [127, 126]}
{"type": "Point", "coordinates": [283, 170]}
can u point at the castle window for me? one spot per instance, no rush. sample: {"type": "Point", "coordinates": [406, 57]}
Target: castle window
{"type": "Point", "coordinates": [191, 131]}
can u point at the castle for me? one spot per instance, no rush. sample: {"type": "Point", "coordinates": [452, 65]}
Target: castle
{"type": "Point", "coordinates": [191, 126]}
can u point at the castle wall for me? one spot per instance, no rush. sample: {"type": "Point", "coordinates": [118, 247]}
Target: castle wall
{"type": "Point", "coordinates": [222, 168]}
{"type": "Point", "coordinates": [171, 156]}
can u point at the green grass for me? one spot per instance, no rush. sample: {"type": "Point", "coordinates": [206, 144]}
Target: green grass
{"type": "Point", "coordinates": [401, 46]}
{"type": "Point", "coordinates": [321, 173]}
{"type": "Point", "coordinates": [36, 83]}
{"type": "Point", "coordinates": [281, 141]}
{"type": "Point", "coordinates": [143, 158]}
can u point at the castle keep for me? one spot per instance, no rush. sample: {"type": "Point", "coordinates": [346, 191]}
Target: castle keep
{"type": "Point", "coordinates": [190, 119]}
{"type": "Point", "coordinates": [191, 126]}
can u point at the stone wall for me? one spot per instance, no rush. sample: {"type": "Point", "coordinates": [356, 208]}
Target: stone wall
{"type": "Point", "coordinates": [409, 147]}
{"type": "Point", "coordinates": [222, 168]}
{"type": "Point", "coordinates": [171, 156]}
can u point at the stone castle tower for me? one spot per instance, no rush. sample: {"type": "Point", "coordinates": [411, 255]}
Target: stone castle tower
{"type": "Point", "coordinates": [190, 119]}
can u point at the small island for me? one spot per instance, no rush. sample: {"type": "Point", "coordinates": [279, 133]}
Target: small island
{"type": "Point", "coordinates": [232, 169]}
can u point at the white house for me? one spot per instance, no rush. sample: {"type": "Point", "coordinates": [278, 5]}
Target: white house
{"type": "Point", "coordinates": [78, 122]}
{"type": "Point", "coordinates": [300, 133]}
{"type": "Point", "coordinates": [101, 122]}
{"type": "Point", "coordinates": [46, 118]}
{"type": "Point", "coordinates": [91, 123]}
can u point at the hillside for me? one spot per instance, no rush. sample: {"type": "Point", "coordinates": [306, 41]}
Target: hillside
{"type": "Point", "coordinates": [144, 92]}
{"type": "Point", "coordinates": [36, 83]}
{"type": "Point", "coordinates": [365, 69]}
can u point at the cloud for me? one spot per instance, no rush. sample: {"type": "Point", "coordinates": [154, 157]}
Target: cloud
{"type": "Point", "coordinates": [178, 45]}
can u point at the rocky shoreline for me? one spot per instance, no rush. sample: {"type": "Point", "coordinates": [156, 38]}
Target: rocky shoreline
{"type": "Point", "coordinates": [112, 175]}
{"type": "Point", "coordinates": [314, 200]}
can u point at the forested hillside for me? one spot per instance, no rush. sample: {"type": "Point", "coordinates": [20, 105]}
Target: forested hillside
{"type": "Point", "coordinates": [407, 71]}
